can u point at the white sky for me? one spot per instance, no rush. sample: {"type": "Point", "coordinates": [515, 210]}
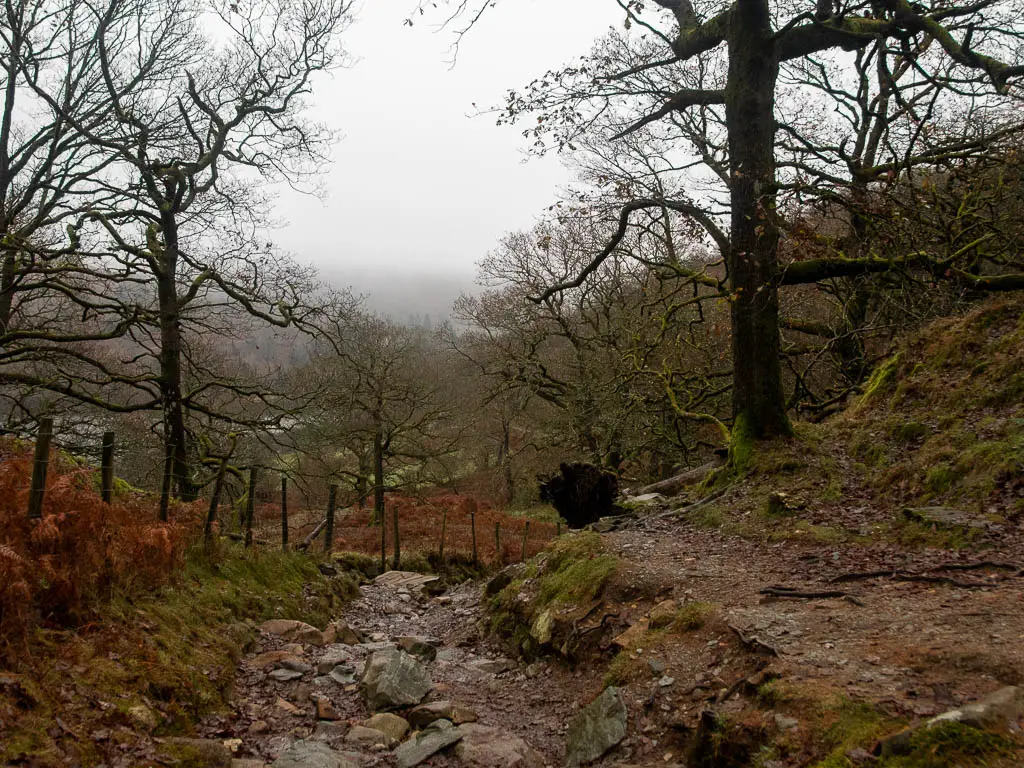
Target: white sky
{"type": "Point", "coordinates": [417, 184]}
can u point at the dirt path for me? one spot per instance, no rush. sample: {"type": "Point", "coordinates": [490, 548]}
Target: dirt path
{"type": "Point", "coordinates": [914, 649]}
{"type": "Point", "coordinates": [528, 701]}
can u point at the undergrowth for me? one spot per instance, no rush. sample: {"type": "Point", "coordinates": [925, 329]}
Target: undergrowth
{"type": "Point", "coordinates": [55, 571]}
{"type": "Point", "coordinates": [172, 653]}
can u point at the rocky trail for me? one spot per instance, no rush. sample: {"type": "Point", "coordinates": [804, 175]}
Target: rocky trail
{"type": "Point", "coordinates": [351, 695]}
{"type": "Point", "coordinates": [297, 698]}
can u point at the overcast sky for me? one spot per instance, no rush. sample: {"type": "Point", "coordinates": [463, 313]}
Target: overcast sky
{"type": "Point", "coordinates": [417, 183]}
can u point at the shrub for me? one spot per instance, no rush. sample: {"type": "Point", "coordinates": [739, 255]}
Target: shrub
{"type": "Point", "coordinates": [54, 569]}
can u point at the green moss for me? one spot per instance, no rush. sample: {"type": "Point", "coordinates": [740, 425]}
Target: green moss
{"type": "Point", "coordinates": [951, 744]}
{"type": "Point", "coordinates": [882, 379]}
{"type": "Point", "coordinates": [741, 445]}
{"type": "Point", "coordinates": [692, 616]}
{"type": "Point", "coordinates": [908, 431]}
{"type": "Point", "coordinates": [564, 580]}
{"type": "Point", "coordinates": [358, 562]}
{"type": "Point", "coordinates": [624, 669]}
{"type": "Point", "coordinates": [941, 478]}
{"type": "Point", "coordinates": [576, 571]}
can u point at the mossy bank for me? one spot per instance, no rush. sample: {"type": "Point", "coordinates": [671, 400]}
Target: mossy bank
{"type": "Point", "coordinates": [155, 664]}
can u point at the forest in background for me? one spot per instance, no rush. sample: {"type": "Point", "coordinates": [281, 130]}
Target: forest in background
{"type": "Point", "coordinates": [777, 259]}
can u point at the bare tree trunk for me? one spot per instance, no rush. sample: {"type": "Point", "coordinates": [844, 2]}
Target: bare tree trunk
{"type": "Point", "coordinates": [378, 475]}
{"type": "Point", "coordinates": [175, 433]}
{"type": "Point", "coordinates": [759, 403]}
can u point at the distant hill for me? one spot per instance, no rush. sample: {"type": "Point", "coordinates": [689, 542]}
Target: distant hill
{"type": "Point", "coordinates": [408, 296]}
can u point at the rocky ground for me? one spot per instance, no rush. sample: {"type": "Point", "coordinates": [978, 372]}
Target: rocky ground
{"type": "Point", "coordinates": [916, 634]}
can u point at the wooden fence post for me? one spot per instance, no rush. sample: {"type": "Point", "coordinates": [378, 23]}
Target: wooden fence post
{"type": "Point", "coordinates": [497, 541]}
{"type": "Point", "coordinates": [332, 501]}
{"type": "Point", "coordinates": [284, 513]}
{"type": "Point", "coordinates": [37, 491]}
{"type": "Point", "coordinates": [107, 468]}
{"type": "Point", "coordinates": [165, 485]}
{"type": "Point", "coordinates": [250, 507]}
{"type": "Point", "coordinates": [218, 487]}
{"type": "Point", "coordinates": [383, 542]}
{"type": "Point", "coordinates": [526, 534]}
{"type": "Point", "coordinates": [444, 530]}
{"type": "Point", "coordinates": [559, 533]}
{"type": "Point", "coordinates": [472, 528]}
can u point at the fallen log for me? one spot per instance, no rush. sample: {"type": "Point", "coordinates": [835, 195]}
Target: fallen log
{"type": "Point", "coordinates": [679, 511]}
{"type": "Point", "coordinates": [673, 485]}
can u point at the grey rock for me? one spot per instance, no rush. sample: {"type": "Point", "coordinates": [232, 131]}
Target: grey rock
{"type": "Point", "coordinates": [599, 727]}
{"type": "Point", "coordinates": [330, 730]}
{"type": "Point", "coordinates": [944, 517]}
{"type": "Point", "coordinates": [785, 723]}
{"type": "Point", "coordinates": [294, 631]}
{"type": "Point", "coordinates": [667, 681]}
{"type": "Point", "coordinates": [482, 746]}
{"type": "Point", "coordinates": [421, 647]}
{"type": "Point", "coordinates": [427, 743]}
{"type": "Point", "coordinates": [393, 726]}
{"type": "Point", "coordinates": [428, 713]}
{"type": "Point", "coordinates": [294, 664]}
{"type": "Point", "coordinates": [284, 675]}
{"type": "Point", "coordinates": [313, 754]}
{"type": "Point", "coordinates": [343, 674]}
{"type": "Point", "coordinates": [336, 655]}
{"type": "Point", "coordinates": [657, 667]}
{"type": "Point", "coordinates": [362, 736]}
{"type": "Point", "coordinates": [394, 679]}
{"type": "Point", "coordinates": [491, 666]}
{"type": "Point", "coordinates": [503, 578]}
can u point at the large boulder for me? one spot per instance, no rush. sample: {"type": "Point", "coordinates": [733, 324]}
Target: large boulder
{"type": "Point", "coordinates": [485, 747]}
{"type": "Point", "coordinates": [393, 679]}
{"type": "Point", "coordinates": [313, 754]}
{"type": "Point", "coordinates": [599, 727]}
{"type": "Point", "coordinates": [582, 493]}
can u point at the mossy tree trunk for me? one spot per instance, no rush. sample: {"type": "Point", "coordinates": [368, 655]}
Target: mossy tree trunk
{"type": "Point", "coordinates": [759, 403]}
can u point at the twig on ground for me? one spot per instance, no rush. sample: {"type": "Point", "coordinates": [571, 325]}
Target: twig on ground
{"type": "Point", "coordinates": [780, 591]}
{"type": "Point", "coordinates": [752, 643]}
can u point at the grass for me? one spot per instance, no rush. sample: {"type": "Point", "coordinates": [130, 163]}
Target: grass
{"type": "Point", "coordinates": [692, 616]}
{"type": "Point", "coordinates": [173, 653]}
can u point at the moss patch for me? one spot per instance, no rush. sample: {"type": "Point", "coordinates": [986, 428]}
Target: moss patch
{"type": "Point", "coordinates": [537, 609]}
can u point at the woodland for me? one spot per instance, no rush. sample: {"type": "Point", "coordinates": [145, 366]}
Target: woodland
{"type": "Point", "coordinates": [782, 211]}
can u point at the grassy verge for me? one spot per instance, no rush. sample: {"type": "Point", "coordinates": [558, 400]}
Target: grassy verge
{"type": "Point", "coordinates": [154, 663]}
